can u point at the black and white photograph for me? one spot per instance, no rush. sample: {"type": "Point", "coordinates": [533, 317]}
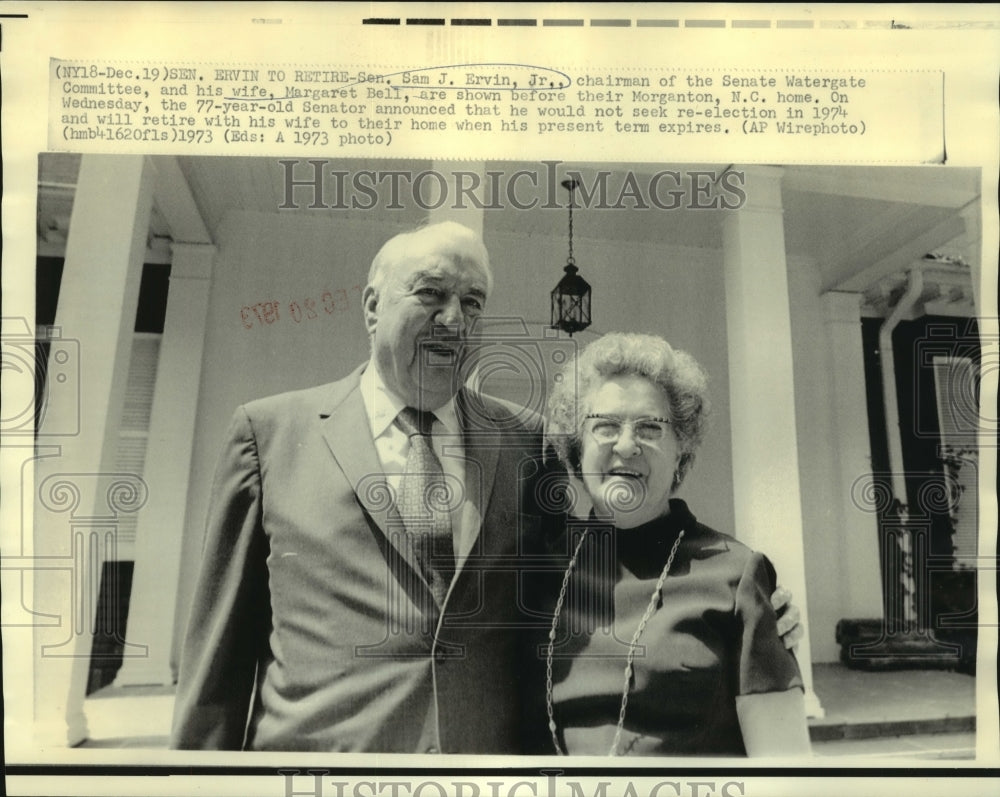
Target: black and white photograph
{"type": "Point", "coordinates": [812, 308]}
{"type": "Point", "coordinates": [597, 474]}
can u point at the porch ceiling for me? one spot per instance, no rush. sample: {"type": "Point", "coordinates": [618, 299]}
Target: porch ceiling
{"type": "Point", "coordinates": [860, 224]}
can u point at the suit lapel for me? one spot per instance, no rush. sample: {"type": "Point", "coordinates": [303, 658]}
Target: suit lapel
{"type": "Point", "coordinates": [482, 449]}
{"type": "Point", "coordinates": [347, 433]}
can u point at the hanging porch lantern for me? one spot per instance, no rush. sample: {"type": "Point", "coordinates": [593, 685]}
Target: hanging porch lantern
{"type": "Point", "coordinates": [571, 297]}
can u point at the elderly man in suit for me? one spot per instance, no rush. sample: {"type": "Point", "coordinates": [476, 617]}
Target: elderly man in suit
{"type": "Point", "coordinates": [360, 581]}
{"type": "Point", "coordinates": [328, 616]}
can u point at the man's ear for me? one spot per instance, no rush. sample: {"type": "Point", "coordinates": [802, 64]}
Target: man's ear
{"type": "Point", "coordinates": [369, 303]}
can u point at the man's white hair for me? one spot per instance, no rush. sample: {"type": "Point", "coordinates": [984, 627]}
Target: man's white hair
{"type": "Point", "coordinates": [444, 238]}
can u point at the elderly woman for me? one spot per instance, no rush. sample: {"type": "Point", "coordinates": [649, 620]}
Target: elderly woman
{"type": "Point", "coordinates": [663, 640]}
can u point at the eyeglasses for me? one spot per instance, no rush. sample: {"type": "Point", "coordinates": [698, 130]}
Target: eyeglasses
{"type": "Point", "coordinates": [608, 428]}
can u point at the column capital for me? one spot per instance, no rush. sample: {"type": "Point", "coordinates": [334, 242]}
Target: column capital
{"type": "Point", "coordinates": [971, 214]}
{"type": "Point", "coordinates": [761, 170]}
{"type": "Point", "coordinates": [192, 261]}
{"type": "Point", "coordinates": [762, 186]}
{"type": "Point", "coordinates": [841, 307]}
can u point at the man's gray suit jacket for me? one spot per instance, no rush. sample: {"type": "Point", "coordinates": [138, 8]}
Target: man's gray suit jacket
{"type": "Point", "coordinates": [312, 627]}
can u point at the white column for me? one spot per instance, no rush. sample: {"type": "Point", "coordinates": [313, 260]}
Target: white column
{"type": "Point", "coordinates": [18, 462]}
{"type": "Point", "coordinates": [861, 588]}
{"type": "Point", "coordinates": [77, 496]}
{"type": "Point", "coordinates": [153, 603]}
{"type": "Point", "coordinates": [766, 487]}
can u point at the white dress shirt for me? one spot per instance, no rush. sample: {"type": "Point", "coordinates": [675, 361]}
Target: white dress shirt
{"type": "Point", "coordinates": [393, 445]}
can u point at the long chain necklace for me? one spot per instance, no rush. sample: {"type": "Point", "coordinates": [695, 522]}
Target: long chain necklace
{"type": "Point", "coordinates": [650, 608]}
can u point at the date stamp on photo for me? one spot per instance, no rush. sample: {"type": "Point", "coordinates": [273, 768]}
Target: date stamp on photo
{"type": "Point", "coordinates": [308, 308]}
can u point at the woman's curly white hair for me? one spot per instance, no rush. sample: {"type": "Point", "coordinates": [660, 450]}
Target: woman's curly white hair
{"type": "Point", "coordinates": [675, 372]}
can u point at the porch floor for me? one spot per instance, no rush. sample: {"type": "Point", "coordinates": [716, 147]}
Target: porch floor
{"type": "Point", "coordinates": [901, 713]}
{"type": "Point", "coordinates": [897, 713]}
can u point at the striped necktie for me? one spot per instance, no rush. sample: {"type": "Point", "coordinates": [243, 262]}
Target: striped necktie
{"type": "Point", "coordinates": [423, 503]}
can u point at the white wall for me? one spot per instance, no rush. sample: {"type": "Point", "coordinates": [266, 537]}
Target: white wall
{"type": "Point", "coordinates": [674, 292]}
{"type": "Point", "coordinates": [265, 257]}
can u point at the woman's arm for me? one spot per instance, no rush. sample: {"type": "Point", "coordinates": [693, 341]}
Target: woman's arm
{"type": "Point", "coordinates": [774, 723]}
{"type": "Point", "coordinates": [769, 705]}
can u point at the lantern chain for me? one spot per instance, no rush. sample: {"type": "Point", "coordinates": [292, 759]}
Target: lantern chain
{"type": "Point", "coordinates": [570, 260]}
